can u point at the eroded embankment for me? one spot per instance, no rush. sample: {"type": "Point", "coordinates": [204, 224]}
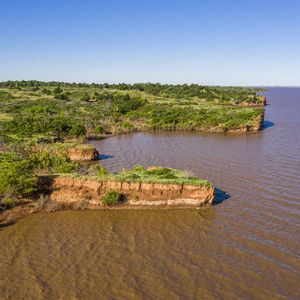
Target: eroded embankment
{"type": "Point", "coordinates": [77, 154]}
{"type": "Point", "coordinates": [89, 192]}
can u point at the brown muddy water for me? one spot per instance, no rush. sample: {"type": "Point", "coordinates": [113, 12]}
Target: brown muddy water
{"type": "Point", "coordinates": [245, 247]}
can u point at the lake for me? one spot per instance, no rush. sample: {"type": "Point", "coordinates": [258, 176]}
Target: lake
{"type": "Point", "coordinates": [247, 246]}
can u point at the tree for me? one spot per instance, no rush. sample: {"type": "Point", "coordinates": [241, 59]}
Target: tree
{"type": "Point", "coordinates": [61, 96]}
{"type": "Point", "coordinates": [78, 129]}
{"type": "Point", "coordinates": [58, 90]}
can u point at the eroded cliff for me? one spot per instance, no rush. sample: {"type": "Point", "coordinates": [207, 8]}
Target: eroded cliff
{"type": "Point", "coordinates": [77, 191]}
{"type": "Point", "coordinates": [82, 154]}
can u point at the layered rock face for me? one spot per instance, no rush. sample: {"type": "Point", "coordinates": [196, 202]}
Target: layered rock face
{"type": "Point", "coordinates": [77, 154]}
{"type": "Point", "coordinates": [73, 191]}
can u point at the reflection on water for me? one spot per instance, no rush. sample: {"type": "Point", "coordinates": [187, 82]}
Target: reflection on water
{"type": "Point", "coordinates": [246, 247]}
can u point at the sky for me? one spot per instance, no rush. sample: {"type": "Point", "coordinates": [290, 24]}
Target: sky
{"type": "Point", "coordinates": [230, 42]}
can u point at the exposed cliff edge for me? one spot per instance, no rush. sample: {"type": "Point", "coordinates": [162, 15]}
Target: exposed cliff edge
{"type": "Point", "coordinates": [83, 154]}
{"type": "Point", "coordinates": [77, 152]}
{"type": "Point", "coordinates": [89, 192]}
{"type": "Point", "coordinates": [152, 187]}
{"type": "Point", "coordinates": [80, 193]}
{"type": "Point", "coordinates": [262, 102]}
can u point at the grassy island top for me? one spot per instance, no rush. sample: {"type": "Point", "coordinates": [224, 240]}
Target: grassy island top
{"type": "Point", "coordinates": [41, 109]}
{"type": "Point", "coordinates": [153, 175]}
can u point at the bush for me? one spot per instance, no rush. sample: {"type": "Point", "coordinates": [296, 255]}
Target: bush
{"type": "Point", "coordinates": [139, 168]}
{"type": "Point", "coordinates": [99, 129]}
{"type": "Point", "coordinates": [78, 130]}
{"type": "Point", "coordinates": [160, 171]}
{"type": "Point", "coordinates": [102, 172]}
{"type": "Point", "coordinates": [85, 97]}
{"type": "Point", "coordinates": [61, 96]}
{"type": "Point", "coordinates": [17, 178]}
{"type": "Point", "coordinates": [53, 162]}
{"type": "Point", "coordinates": [111, 198]}
{"type": "Point", "coordinates": [46, 91]}
{"type": "Point", "coordinates": [124, 103]}
{"type": "Point", "coordinates": [57, 90]}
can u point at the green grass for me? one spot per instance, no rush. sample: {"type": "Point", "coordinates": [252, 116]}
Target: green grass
{"type": "Point", "coordinates": [154, 175]}
{"type": "Point", "coordinates": [70, 145]}
{"type": "Point", "coordinates": [5, 117]}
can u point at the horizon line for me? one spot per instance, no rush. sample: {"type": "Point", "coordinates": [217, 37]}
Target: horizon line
{"type": "Point", "coordinates": [152, 82]}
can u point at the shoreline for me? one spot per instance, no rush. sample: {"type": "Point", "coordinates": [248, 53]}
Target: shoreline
{"type": "Point", "coordinates": [212, 130]}
{"type": "Point", "coordinates": [24, 210]}
{"type": "Point", "coordinates": [87, 193]}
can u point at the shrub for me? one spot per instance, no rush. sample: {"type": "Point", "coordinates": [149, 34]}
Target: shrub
{"type": "Point", "coordinates": [57, 90]}
{"type": "Point", "coordinates": [139, 168]}
{"type": "Point", "coordinates": [102, 172]}
{"type": "Point", "coordinates": [124, 103]}
{"type": "Point", "coordinates": [78, 130]}
{"type": "Point", "coordinates": [160, 171]}
{"type": "Point", "coordinates": [61, 96]}
{"type": "Point", "coordinates": [53, 162]}
{"type": "Point", "coordinates": [111, 198]}
{"type": "Point", "coordinates": [99, 129]}
{"type": "Point", "coordinates": [17, 178]}
{"type": "Point", "coordinates": [46, 91]}
{"type": "Point", "coordinates": [85, 97]}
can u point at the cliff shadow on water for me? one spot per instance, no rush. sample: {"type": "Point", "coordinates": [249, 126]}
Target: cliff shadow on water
{"type": "Point", "coordinates": [267, 124]}
{"type": "Point", "coordinates": [220, 196]}
{"type": "Point", "coordinates": [104, 156]}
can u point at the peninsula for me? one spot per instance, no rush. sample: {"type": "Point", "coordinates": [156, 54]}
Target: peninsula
{"type": "Point", "coordinates": [43, 127]}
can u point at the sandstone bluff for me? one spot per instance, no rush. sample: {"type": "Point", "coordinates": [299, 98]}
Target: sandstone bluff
{"type": "Point", "coordinates": [73, 191]}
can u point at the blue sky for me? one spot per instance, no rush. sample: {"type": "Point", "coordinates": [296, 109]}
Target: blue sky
{"type": "Point", "coordinates": [232, 42]}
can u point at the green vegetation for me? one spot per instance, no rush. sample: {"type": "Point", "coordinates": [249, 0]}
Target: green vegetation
{"type": "Point", "coordinates": [112, 198]}
{"type": "Point", "coordinates": [17, 176]}
{"type": "Point", "coordinates": [49, 162]}
{"type": "Point", "coordinates": [32, 108]}
{"type": "Point", "coordinates": [19, 169]}
{"type": "Point", "coordinates": [99, 129]}
{"type": "Point", "coordinates": [36, 117]}
{"type": "Point", "coordinates": [154, 175]}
